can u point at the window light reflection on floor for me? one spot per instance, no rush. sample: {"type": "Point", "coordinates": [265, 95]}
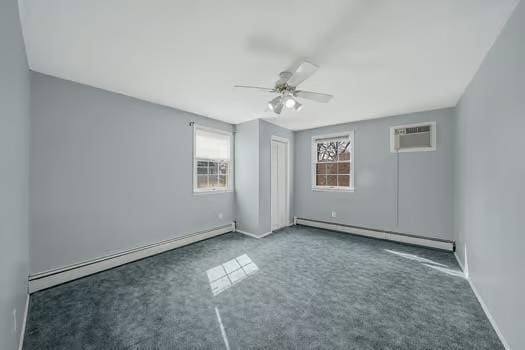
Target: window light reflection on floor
{"type": "Point", "coordinates": [447, 271]}
{"type": "Point", "coordinates": [231, 272]}
{"type": "Point", "coordinates": [429, 263]}
{"type": "Point", "coordinates": [415, 257]}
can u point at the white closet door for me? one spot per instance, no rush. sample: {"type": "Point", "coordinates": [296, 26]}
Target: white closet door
{"type": "Point", "coordinates": [279, 184]}
{"type": "Point", "coordinates": [282, 183]}
{"type": "Point", "coordinates": [274, 182]}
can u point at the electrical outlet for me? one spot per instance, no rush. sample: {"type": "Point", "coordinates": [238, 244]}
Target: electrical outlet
{"type": "Point", "coordinates": [220, 216]}
{"type": "Point", "coordinates": [334, 214]}
{"type": "Point", "coordinates": [14, 321]}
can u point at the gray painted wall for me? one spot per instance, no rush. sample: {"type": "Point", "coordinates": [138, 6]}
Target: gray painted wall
{"type": "Point", "coordinates": [490, 171]}
{"type": "Point", "coordinates": [109, 173]}
{"type": "Point", "coordinates": [253, 174]}
{"type": "Point", "coordinates": [267, 130]}
{"type": "Point", "coordinates": [14, 155]}
{"type": "Point", "coordinates": [247, 176]}
{"type": "Point", "coordinates": [425, 178]}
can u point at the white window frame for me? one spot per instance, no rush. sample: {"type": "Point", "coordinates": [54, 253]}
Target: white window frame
{"type": "Point", "coordinates": [350, 136]}
{"type": "Point", "coordinates": [211, 190]}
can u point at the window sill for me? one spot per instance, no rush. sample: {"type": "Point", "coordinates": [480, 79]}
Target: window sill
{"type": "Point", "coordinates": [199, 193]}
{"type": "Point", "coordinates": [332, 189]}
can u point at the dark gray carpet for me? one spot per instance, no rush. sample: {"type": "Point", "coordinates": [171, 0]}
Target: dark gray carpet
{"type": "Point", "coordinates": [307, 289]}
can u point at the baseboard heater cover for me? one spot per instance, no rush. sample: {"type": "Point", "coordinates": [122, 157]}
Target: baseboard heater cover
{"type": "Point", "coordinates": [381, 234]}
{"type": "Point", "coordinates": [50, 278]}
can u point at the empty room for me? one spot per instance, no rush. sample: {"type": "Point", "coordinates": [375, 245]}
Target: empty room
{"type": "Point", "coordinates": [311, 174]}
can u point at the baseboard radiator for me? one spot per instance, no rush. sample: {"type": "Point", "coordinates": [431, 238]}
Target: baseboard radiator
{"type": "Point", "coordinates": [380, 234]}
{"type": "Point", "coordinates": [50, 278]}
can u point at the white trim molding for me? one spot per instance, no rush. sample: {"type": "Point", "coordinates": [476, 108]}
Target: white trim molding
{"type": "Point", "coordinates": [483, 305]}
{"type": "Point", "coordinates": [262, 235]}
{"type": "Point", "coordinates": [24, 322]}
{"type": "Point", "coordinates": [50, 278]}
{"type": "Point", "coordinates": [280, 139]}
{"type": "Point", "coordinates": [460, 263]}
{"type": "Point", "coordinates": [380, 234]}
{"type": "Point", "coordinates": [253, 235]}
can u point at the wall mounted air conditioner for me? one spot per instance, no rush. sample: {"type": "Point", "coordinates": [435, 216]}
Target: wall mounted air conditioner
{"type": "Point", "coordinates": [413, 137]}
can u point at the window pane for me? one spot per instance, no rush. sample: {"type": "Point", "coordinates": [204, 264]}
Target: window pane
{"type": "Point", "coordinates": [223, 180]}
{"type": "Point", "coordinates": [202, 181]}
{"type": "Point", "coordinates": [344, 151]}
{"type": "Point", "coordinates": [320, 152]}
{"type": "Point", "coordinates": [344, 156]}
{"type": "Point", "coordinates": [343, 168]}
{"type": "Point", "coordinates": [343, 146]}
{"type": "Point", "coordinates": [202, 163]}
{"type": "Point", "coordinates": [331, 168]}
{"type": "Point", "coordinates": [213, 168]}
{"type": "Point", "coordinates": [214, 180]}
{"type": "Point", "coordinates": [331, 180]}
{"type": "Point", "coordinates": [321, 168]}
{"type": "Point", "coordinates": [343, 180]}
{"type": "Point", "coordinates": [321, 180]}
{"type": "Point", "coordinates": [326, 151]}
{"type": "Point", "coordinates": [223, 168]}
{"type": "Point", "coordinates": [202, 170]}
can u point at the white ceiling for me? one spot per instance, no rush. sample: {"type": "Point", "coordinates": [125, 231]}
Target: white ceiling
{"type": "Point", "coordinates": [378, 58]}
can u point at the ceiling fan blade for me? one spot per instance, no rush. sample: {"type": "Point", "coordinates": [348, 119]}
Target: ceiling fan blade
{"type": "Point", "coordinates": [314, 96]}
{"type": "Point", "coordinates": [254, 88]}
{"type": "Point", "coordinates": [268, 116]}
{"type": "Point", "coordinates": [303, 72]}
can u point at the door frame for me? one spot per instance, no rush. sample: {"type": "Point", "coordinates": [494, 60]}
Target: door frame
{"type": "Point", "coordinates": [286, 141]}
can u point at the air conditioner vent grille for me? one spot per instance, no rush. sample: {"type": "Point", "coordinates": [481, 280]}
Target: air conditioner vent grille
{"type": "Point", "coordinates": [418, 129]}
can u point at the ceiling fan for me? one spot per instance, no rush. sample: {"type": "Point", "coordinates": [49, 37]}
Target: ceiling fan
{"type": "Point", "coordinates": [286, 87]}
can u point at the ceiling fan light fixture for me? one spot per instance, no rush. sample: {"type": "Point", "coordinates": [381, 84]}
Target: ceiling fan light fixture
{"type": "Point", "coordinates": [279, 108]}
{"type": "Point", "coordinates": [290, 102]}
{"type": "Point", "coordinates": [276, 105]}
{"type": "Point", "coordinates": [272, 105]}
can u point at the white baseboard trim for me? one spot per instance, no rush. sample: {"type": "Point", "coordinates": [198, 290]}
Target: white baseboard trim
{"type": "Point", "coordinates": [263, 234]}
{"type": "Point", "coordinates": [459, 262]}
{"type": "Point", "coordinates": [483, 305]}
{"type": "Point", "coordinates": [24, 322]}
{"type": "Point", "coordinates": [380, 234]}
{"type": "Point", "coordinates": [253, 235]}
{"type": "Point", "coordinates": [64, 274]}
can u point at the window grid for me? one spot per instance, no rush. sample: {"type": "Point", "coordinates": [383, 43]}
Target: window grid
{"type": "Point", "coordinates": [213, 174]}
{"type": "Point", "coordinates": [332, 162]}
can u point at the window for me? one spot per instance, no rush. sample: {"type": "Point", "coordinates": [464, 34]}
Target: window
{"type": "Point", "coordinates": [212, 160]}
{"type": "Point", "coordinates": [332, 167]}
